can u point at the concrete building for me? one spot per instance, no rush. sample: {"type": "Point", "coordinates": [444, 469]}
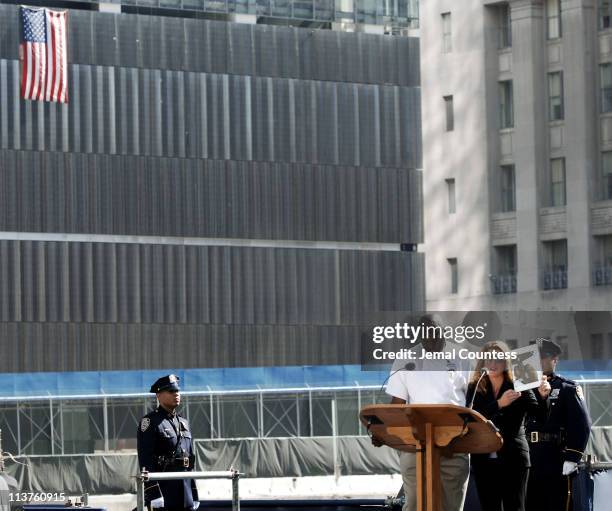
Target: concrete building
{"type": "Point", "coordinates": [517, 154]}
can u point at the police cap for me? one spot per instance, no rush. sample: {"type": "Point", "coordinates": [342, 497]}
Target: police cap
{"type": "Point", "coordinates": [169, 382]}
{"type": "Point", "coordinates": [549, 348]}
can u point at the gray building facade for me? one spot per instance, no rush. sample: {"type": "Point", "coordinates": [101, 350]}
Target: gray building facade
{"type": "Point", "coordinates": [240, 191]}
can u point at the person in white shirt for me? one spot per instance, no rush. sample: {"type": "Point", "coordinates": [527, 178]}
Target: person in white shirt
{"type": "Point", "coordinates": [432, 382]}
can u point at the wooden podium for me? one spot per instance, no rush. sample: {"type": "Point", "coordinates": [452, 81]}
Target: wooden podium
{"type": "Point", "coordinates": [431, 431]}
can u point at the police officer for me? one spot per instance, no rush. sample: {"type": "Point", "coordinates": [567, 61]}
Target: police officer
{"type": "Point", "coordinates": [164, 445]}
{"type": "Point", "coordinates": [557, 437]}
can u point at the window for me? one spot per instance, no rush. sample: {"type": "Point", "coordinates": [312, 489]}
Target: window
{"type": "Point", "coordinates": [506, 106]}
{"type": "Point", "coordinates": [553, 19]}
{"type": "Point", "coordinates": [508, 187]}
{"type": "Point", "coordinates": [606, 87]}
{"type": "Point", "coordinates": [504, 27]}
{"type": "Point", "coordinates": [447, 44]}
{"type": "Point", "coordinates": [454, 275]}
{"type": "Point", "coordinates": [602, 269]}
{"type": "Point", "coordinates": [557, 182]}
{"type": "Point", "coordinates": [452, 204]}
{"type": "Point", "coordinates": [557, 255]}
{"type": "Point", "coordinates": [504, 279]}
{"type": "Point", "coordinates": [450, 116]}
{"type": "Point", "coordinates": [604, 13]}
{"type": "Point", "coordinates": [606, 245]}
{"type": "Point", "coordinates": [555, 263]}
{"type": "Point", "coordinates": [555, 96]}
{"type": "Point", "coordinates": [606, 175]}
{"type": "Point", "coordinates": [506, 259]}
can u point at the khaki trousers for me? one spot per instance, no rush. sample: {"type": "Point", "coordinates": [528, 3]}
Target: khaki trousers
{"type": "Point", "coordinates": [454, 474]}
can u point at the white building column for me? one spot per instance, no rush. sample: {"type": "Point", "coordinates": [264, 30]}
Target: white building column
{"type": "Point", "coordinates": [529, 140]}
{"type": "Point", "coordinates": [579, 22]}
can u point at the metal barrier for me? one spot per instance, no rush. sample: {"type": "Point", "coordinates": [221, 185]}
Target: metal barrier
{"type": "Point", "coordinates": [232, 474]}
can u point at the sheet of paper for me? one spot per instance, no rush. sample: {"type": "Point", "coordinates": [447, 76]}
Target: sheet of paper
{"type": "Point", "coordinates": [526, 368]}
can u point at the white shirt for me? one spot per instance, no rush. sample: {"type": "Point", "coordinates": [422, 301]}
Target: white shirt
{"type": "Point", "coordinates": [431, 382]}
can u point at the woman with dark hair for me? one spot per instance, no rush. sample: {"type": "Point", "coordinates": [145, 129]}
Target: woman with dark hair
{"type": "Point", "coordinates": [501, 477]}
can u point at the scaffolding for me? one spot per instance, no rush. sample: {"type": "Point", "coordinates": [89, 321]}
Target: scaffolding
{"type": "Point", "coordinates": [53, 425]}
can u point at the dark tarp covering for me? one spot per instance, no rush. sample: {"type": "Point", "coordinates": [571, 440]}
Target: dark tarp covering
{"type": "Point", "coordinates": [296, 457]}
{"type": "Point", "coordinates": [600, 443]}
{"type": "Point", "coordinates": [111, 473]}
{"type": "Point", "coordinates": [75, 474]}
{"type": "Point", "coordinates": [275, 457]}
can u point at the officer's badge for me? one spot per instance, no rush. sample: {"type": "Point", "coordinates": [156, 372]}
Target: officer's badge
{"type": "Point", "coordinates": [554, 394]}
{"type": "Point", "coordinates": [579, 393]}
{"type": "Point", "coordinates": [172, 378]}
{"type": "Point", "coordinates": [144, 424]}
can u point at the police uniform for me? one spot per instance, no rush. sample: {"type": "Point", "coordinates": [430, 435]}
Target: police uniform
{"type": "Point", "coordinates": [559, 435]}
{"type": "Point", "coordinates": [165, 445]}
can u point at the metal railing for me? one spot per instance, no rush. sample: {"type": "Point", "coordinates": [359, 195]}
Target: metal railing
{"type": "Point", "coordinates": [144, 476]}
{"type": "Point", "coordinates": [61, 425]}
{"type": "Point", "coordinates": [103, 424]}
{"type": "Point", "coordinates": [503, 284]}
{"type": "Point", "coordinates": [602, 275]}
{"type": "Point", "coordinates": [554, 279]}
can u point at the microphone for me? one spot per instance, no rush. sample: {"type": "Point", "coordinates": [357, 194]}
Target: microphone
{"type": "Point", "coordinates": [483, 371]}
{"type": "Point", "coordinates": [408, 366]}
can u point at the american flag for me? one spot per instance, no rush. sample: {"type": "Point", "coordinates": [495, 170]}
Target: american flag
{"type": "Point", "coordinates": [43, 52]}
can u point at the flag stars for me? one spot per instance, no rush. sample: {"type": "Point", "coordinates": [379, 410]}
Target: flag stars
{"type": "Point", "coordinates": [34, 26]}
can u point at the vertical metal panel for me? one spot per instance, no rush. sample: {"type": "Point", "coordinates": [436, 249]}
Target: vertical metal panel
{"type": "Point", "coordinates": [290, 121]}
{"type": "Point", "coordinates": [222, 47]}
{"type": "Point", "coordinates": [59, 192]}
{"type": "Point", "coordinates": [240, 133]}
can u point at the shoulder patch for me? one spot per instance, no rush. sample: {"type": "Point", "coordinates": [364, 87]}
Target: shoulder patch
{"type": "Point", "coordinates": [579, 392]}
{"type": "Point", "coordinates": [144, 424]}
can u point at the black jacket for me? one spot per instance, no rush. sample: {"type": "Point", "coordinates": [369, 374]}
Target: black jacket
{"type": "Point", "coordinates": [509, 420]}
{"type": "Point", "coordinates": [565, 414]}
{"type": "Point", "coordinates": [165, 445]}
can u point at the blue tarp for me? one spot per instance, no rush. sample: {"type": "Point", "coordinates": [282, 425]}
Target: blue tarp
{"type": "Point", "coordinates": [97, 383]}
{"type": "Point", "coordinates": [225, 379]}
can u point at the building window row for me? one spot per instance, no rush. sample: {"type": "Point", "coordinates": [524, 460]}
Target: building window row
{"type": "Point", "coordinates": [554, 270]}
{"type": "Point", "coordinates": [557, 188]}
{"type": "Point", "coordinates": [504, 22]}
{"type": "Point", "coordinates": [557, 191]}
{"type": "Point", "coordinates": [556, 102]}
